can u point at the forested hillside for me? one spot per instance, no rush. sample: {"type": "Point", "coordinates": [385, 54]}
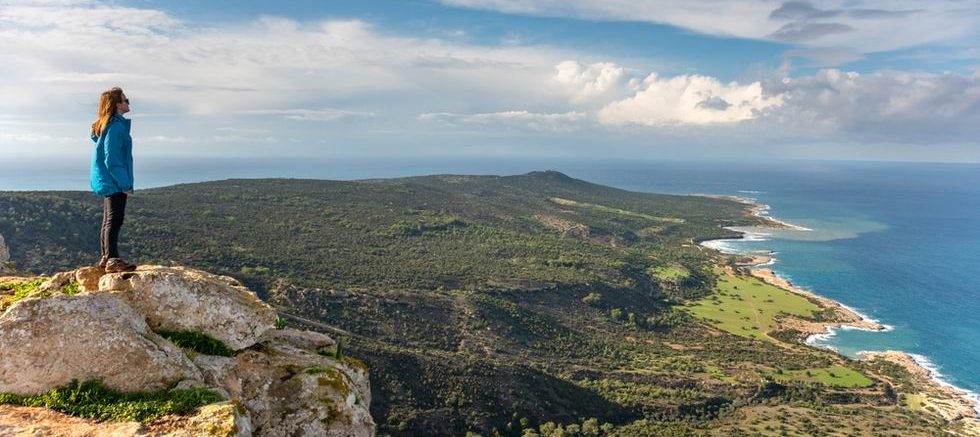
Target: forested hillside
{"type": "Point", "coordinates": [521, 305]}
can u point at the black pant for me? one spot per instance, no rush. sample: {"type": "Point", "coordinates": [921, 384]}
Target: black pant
{"type": "Point", "coordinates": [114, 209]}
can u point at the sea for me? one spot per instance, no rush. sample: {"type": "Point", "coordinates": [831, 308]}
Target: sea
{"type": "Point", "coordinates": [897, 242]}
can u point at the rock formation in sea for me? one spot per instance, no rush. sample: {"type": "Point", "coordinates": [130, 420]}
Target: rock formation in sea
{"type": "Point", "coordinates": [120, 328]}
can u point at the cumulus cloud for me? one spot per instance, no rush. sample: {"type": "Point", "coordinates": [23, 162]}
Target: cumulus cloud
{"type": "Point", "coordinates": [895, 106]}
{"type": "Point", "coordinates": [595, 81]}
{"type": "Point", "coordinates": [689, 99]}
{"type": "Point", "coordinates": [253, 78]}
{"type": "Point", "coordinates": [58, 55]}
{"type": "Point", "coordinates": [63, 52]}
{"type": "Point", "coordinates": [888, 105]}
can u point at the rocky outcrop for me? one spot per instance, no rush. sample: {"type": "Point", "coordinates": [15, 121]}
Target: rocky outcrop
{"type": "Point", "coordinates": [277, 382]}
{"type": "Point", "coordinates": [46, 343]}
{"type": "Point", "coordinates": [292, 387]}
{"type": "Point", "coordinates": [181, 299]}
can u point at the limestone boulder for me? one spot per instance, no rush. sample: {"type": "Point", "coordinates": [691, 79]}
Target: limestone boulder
{"type": "Point", "coordinates": [183, 299]}
{"type": "Point", "coordinates": [48, 342]}
{"type": "Point", "coordinates": [290, 386]}
{"type": "Point", "coordinates": [55, 283]}
{"type": "Point", "coordinates": [88, 278]}
{"type": "Point", "coordinates": [223, 419]}
{"type": "Point", "coordinates": [280, 382]}
{"type": "Point", "coordinates": [305, 340]}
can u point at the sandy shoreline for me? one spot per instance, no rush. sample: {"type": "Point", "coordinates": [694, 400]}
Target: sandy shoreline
{"type": "Point", "coordinates": [846, 316]}
{"type": "Point", "coordinates": [950, 402]}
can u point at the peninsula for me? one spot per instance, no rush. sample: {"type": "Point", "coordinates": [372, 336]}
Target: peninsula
{"type": "Point", "coordinates": [515, 305]}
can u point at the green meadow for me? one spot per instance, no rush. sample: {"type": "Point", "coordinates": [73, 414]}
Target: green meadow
{"type": "Point", "coordinates": [748, 307]}
{"type": "Point", "coordinates": [834, 376]}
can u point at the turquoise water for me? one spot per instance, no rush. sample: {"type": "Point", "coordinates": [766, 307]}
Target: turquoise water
{"type": "Point", "coordinates": [900, 243]}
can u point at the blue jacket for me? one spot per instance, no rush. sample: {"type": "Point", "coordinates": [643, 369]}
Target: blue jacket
{"type": "Point", "coordinates": [112, 159]}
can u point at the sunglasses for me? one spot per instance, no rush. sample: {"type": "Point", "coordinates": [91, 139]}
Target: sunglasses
{"type": "Point", "coordinates": [126, 101]}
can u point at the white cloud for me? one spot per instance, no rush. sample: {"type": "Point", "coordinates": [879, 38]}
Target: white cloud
{"type": "Point", "coordinates": [39, 137]}
{"type": "Point", "coordinates": [863, 26]}
{"type": "Point", "coordinates": [595, 81]}
{"type": "Point", "coordinates": [689, 99]}
{"type": "Point", "coordinates": [60, 55]}
{"type": "Point", "coordinates": [218, 84]}
{"type": "Point", "coordinates": [892, 106]}
{"type": "Point", "coordinates": [312, 114]}
{"type": "Point", "coordinates": [897, 106]}
{"type": "Point", "coordinates": [164, 139]}
{"type": "Point", "coordinates": [245, 139]}
{"type": "Point", "coordinates": [557, 122]}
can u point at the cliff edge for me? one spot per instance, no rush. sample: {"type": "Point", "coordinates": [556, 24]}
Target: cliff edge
{"type": "Point", "coordinates": [159, 337]}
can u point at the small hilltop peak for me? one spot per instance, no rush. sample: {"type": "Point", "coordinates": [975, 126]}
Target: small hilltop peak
{"type": "Point", "coordinates": [168, 336]}
{"type": "Point", "coordinates": [549, 174]}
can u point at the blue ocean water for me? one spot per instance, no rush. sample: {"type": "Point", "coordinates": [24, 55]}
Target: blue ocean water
{"type": "Point", "coordinates": [899, 242]}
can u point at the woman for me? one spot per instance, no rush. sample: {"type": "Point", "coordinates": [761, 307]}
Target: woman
{"type": "Point", "coordinates": [112, 173]}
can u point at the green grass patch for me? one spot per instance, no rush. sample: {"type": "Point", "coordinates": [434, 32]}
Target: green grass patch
{"type": "Point", "coordinates": [71, 289]}
{"type": "Point", "coordinates": [748, 307]}
{"type": "Point", "coordinates": [21, 290]}
{"type": "Point", "coordinates": [619, 211]}
{"type": "Point", "coordinates": [671, 273]}
{"type": "Point", "coordinates": [834, 376]}
{"type": "Point", "coordinates": [197, 341]}
{"type": "Point", "coordinates": [93, 400]}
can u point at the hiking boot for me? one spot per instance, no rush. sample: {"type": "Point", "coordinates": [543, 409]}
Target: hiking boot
{"type": "Point", "coordinates": [102, 262]}
{"type": "Point", "coordinates": [116, 265]}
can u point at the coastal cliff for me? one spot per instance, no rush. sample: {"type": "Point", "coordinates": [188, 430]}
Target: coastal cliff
{"type": "Point", "coordinates": [167, 351]}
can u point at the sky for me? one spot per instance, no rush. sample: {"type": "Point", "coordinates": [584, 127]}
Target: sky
{"type": "Point", "coordinates": [695, 79]}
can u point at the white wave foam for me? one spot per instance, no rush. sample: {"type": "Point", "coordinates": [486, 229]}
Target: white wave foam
{"type": "Point", "coordinates": [934, 373]}
{"type": "Point", "coordinates": [723, 246]}
{"type": "Point", "coordinates": [868, 318]}
{"type": "Point", "coordinates": [815, 339]}
{"type": "Point", "coordinates": [772, 261]}
{"type": "Point", "coordinates": [751, 192]}
{"type": "Point", "coordinates": [763, 212]}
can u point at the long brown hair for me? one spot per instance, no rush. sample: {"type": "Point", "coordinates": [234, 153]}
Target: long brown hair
{"type": "Point", "coordinates": [107, 106]}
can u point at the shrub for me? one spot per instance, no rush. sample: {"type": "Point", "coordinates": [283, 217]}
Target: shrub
{"type": "Point", "coordinates": [197, 341]}
{"type": "Point", "coordinates": [93, 400]}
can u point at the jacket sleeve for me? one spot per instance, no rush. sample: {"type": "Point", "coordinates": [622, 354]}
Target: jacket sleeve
{"type": "Point", "coordinates": [115, 160]}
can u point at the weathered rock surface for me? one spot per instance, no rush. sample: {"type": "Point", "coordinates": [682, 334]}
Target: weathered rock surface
{"type": "Point", "coordinates": [88, 278]}
{"type": "Point", "coordinates": [45, 343]}
{"type": "Point", "coordinates": [291, 389]}
{"type": "Point", "coordinates": [216, 420]}
{"type": "Point", "coordinates": [279, 382]}
{"type": "Point", "coordinates": [182, 299]}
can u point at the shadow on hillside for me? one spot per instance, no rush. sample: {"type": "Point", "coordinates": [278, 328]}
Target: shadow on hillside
{"type": "Point", "coordinates": [450, 395]}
